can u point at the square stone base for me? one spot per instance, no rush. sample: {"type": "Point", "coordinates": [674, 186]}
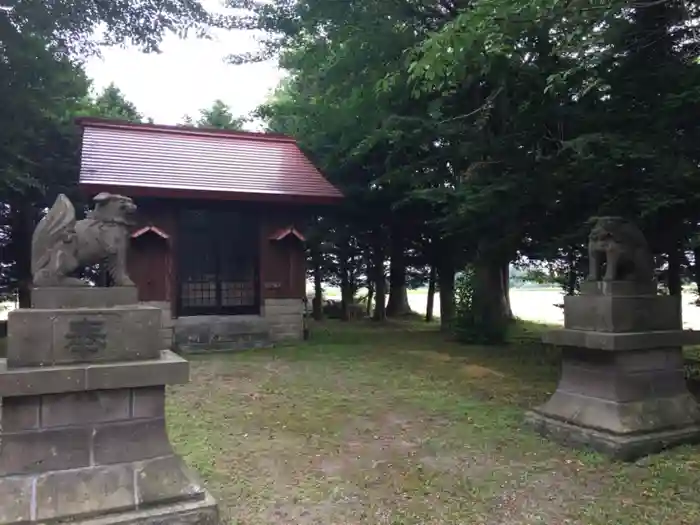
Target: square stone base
{"type": "Point", "coordinates": [620, 447]}
{"type": "Point", "coordinates": [158, 491]}
{"type": "Point", "coordinates": [192, 513]}
{"type": "Point", "coordinates": [625, 403]}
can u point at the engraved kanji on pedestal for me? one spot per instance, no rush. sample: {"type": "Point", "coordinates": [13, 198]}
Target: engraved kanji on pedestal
{"type": "Point", "coordinates": [86, 336]}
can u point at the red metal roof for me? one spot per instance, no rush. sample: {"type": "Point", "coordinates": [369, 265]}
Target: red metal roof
{"type": "Point", "coordinates": [179, 161]}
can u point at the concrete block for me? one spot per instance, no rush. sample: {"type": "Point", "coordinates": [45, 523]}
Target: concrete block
{"type": "Point", "coordinates": [32, 381]}
{"type": "Point", "coordinates": [619, 288]}
{"type": "Point", "coordinates": [627, 447]}
{"type": "Point", "coordinates": [634, 417]}
{"type": "Point", "coordinates": [20, 413]}
{"type": "Point", "coordinates": [171, 369]}
{"type": "Point", "coordinates": [55, 337]}
{"type": "Point", "coordinates": [97, 496]}
{"type": "Point", "coordinates": [287, 335]}
{"type": "Point", "coordinates": [85, 492]}
{"type": "Point", "coordinates": [581, 380]}
{"type": "Point", "coordinates": [83, 297]}
{"type": "Point", "coordinates": [15, 499]}
{"type": "Point", "coordinates": [166, 311]}
{"type": "Point", "coordinates": [203, 512]}
{"type": "Point", "coordinates": [166, 337]}
{"type": "Point", "coordinates": [220, 333]}
{"type": "Point", "coordinates": [621, 341]}
{"type": "Point", "coordinates": [654, 360]}
{"type": "Point", "coordinates": [622, 389]}
{"type": "Point", "coordinates": [130, 441]}
{"type": "Point", "coordinates": [276, 307]}
{"type": "Point", "coordinates": [166, 480]}
{"type": "Point", "coordinates": [612, 385]}
{"type": "Point", "coordinates": [605, 313]}
{"type": "Point", "coordinates": [148, 402]}
{"type": "Point", "coordinates": [84, 408]}
{"type": "Point", "coordinates": [29, 338]}
{"type": "Point", "coordinates": [44, 450]}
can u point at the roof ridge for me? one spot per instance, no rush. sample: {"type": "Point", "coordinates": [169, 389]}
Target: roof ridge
{"type": "Point", "coordinates": [176, 129]}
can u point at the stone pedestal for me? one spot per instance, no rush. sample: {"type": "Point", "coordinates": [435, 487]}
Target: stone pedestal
{"type": "Point", "coordinates": [622, 389]}
{"type": "Point", "coordinates": [83, 417]}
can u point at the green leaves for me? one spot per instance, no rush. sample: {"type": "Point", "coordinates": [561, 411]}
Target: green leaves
{"type": "Point", "coordinates": [505, 123]}
{"type": "Point", "coordinates": [78, 27]}
{"type": "Point", "coordinates": [219, 116]}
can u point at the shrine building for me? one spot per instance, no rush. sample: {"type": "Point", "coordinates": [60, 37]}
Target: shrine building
{"type": "Point", "coordinates": [219, 243]}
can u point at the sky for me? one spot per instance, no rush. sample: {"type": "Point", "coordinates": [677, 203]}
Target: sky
{"type": "Point", "coordinates": [188, 75]}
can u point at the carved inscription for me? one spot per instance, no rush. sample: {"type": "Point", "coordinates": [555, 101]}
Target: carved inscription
{"type": "Point", "coordinates": [86, 336]}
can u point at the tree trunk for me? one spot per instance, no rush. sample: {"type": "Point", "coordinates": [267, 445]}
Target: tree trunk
{"type": "Point", "coordinates": [489, 303]}
{"type": "Point", "coordinates": [379, 281]}
{"type": "Point", "coordinates": [696, 272]}
{"type": "Point", "coordinates": [22, 225]}
{"type": "Point", "coordinates": [398, 295]}
{"type": "Point", "coordinates": [572, 273]}
{"type": "Point", "coordinates": [506, 288]}
{"type": "Point", "coordinates": [370, 296]}
{"type": "Point", "coordinates": [345, 285]}
{"type": "Point", "coordinates": [673, 278]}
{"type": "Point", "coordinates": [446, 287]}
{"type": "Point", "coordinates": [431, 294]}
{"type": "Point", "coordinates": [317, 305]}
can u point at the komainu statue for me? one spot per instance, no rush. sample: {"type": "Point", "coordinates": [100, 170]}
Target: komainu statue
{"type": "Point", "coordinates": [61, 245]}
{"type": "Point", "coordinates": [619, 245]}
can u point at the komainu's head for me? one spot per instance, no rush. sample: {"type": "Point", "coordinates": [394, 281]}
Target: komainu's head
{"type": "Point", "coordinates": [616, 229]}
{"type": "Point", "coordinates": [110, 207]}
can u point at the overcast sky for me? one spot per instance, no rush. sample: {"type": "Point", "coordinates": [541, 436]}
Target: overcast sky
{"type": "Point", "coordinates": [187, 76]}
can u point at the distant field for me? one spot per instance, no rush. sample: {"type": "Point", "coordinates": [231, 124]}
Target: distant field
{"type": "Point", "coordinates": [4, 309]}
{"type": "Point", "coordinates": [538, 305]}
{"type": "Point", "coordinates": [530, 304]}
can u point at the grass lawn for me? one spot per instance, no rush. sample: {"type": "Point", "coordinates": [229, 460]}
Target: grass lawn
{"type": "Point", "coordinates": [393, 425]}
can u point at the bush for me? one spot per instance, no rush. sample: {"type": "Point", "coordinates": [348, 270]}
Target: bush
{"type": "Point", "coordinates": [333, 310]}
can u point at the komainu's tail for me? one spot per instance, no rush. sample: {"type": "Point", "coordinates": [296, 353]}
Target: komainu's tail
{"type": "Point", "coordinates": [58, 223]}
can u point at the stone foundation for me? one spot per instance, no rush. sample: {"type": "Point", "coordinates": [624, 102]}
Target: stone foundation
{"type": "Point", "coordinates": [212, 333]}
{"type": "Point", "coordinates": [285, 318]}
{"type": "Point", "coordinates": [280, 320]}
{"type": "Point", "coordinates": [83, 432]}
{"type": "Point", "coordinates": [89, 453]}
{"type": "Point", "coordinates": [622, 389]}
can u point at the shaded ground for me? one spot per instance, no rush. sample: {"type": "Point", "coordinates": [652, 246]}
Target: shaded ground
{"type": "Point", "coordinates": [395, 426]}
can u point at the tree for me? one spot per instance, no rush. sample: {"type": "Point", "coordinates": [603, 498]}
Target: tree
{"type": "Point", "coordinates": [44, 87]}
{"type": "Point", "coordinates": [49, 165]}
{"type": "Point", "coordinates": [219, 116]}
{"type": "Point", "coordinates": [112, 103]}
{"type": "Point", "coordinates": [475, 136]}
{"type": "Point", "coordinates": [330, 99]}
{"type": "Point", "coordinates": [80, 27]}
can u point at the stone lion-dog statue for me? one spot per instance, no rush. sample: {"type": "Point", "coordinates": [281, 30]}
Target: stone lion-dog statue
{"type": "Point", "coordinates": [61, 245]}
{"type": "Point", "coordinates": [620, 246]}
